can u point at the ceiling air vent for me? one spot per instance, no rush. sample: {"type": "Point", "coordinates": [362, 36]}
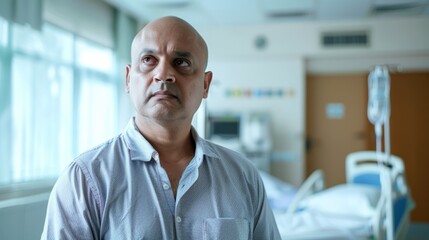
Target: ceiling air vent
{"type": "Point", "coordinates": [345, 39]}
{"type": "Point", "coordinates": [408, 6]}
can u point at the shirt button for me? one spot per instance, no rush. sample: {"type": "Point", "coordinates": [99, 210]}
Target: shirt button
{"type": "Point", "coordinates": [165, 186]}
{"type": "Point", "coordinates": [178, 219]}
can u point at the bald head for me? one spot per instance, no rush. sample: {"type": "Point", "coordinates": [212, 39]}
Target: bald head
{"type": "Point", "coordinates": [170, 29]}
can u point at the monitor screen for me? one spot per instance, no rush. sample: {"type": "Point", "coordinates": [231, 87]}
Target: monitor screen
{"type": "Point", "coordinates": [226, 127]}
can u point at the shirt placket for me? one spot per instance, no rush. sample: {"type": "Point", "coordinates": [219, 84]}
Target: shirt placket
{"type": "Point", "coordinates": [188, 178]}
{"type": "Point", "coordinates": [165, 183]}
{"type": "Point", "coordinates": [168, 194]}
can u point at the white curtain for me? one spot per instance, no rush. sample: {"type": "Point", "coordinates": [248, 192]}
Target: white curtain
{"type": "Point", "coordinates": [58, 98]}
{"type": "Point", "coordinates": [97, 126]}
{"type": "Point", "coordinates": [5, 108]}
{"type": "Point", "coordinates": [42, 100]}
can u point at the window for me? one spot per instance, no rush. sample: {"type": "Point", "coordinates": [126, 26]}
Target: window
{"type": "Point", "coordinates": [93, 57]}
{"type": "Point", "coordinates": [61, 100]}
{"type": "Point", "coordinates": [95, 64]}
{"type": "Point", "coordinates": [4, 102]}
{"type": "Point", "coordinates": [42, 100]}
{"type": "Point", "coordinates": [97, 111]}
{"type": "Point", "coordinates": [3, 32]}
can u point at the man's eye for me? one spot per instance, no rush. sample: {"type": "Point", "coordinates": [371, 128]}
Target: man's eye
{"type": "Point", "coordinates": [148, 60]}
{"type": "Point", "coordinates": [182, 62]}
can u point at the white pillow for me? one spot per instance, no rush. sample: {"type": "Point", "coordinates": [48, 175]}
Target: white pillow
{"type": "Point", "coordinates": [352, 200]}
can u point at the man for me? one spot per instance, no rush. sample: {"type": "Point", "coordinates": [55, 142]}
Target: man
{"type": "Point", "coordinates": [158, 179]}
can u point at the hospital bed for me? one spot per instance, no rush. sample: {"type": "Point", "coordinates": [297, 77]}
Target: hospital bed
{"type": "Point", "coordinates": [354, 210]}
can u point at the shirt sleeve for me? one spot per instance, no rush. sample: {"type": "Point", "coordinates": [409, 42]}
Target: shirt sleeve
{"type": "Point", "coordinates": [73, 207]}
{"type": "Point", "coordinates": [265, 225]}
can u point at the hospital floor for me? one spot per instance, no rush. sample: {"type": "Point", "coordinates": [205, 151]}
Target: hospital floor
{"type": "Point", "coordinates": [418, 231]}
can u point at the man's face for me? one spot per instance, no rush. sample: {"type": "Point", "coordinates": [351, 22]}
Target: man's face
{"type": "Point", "coordinates": [166, 79]}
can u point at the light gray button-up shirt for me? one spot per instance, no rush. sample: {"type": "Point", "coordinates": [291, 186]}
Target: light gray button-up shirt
{"type": "Point", "coordinates": [119, 190]}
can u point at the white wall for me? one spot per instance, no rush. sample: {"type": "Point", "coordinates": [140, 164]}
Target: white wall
{"type": "Point", "coordinates": [292, 51]}
{"type": "Point", "coordinates": [286, 111]}
{"type": "Point", "coordinates": [388, 37]}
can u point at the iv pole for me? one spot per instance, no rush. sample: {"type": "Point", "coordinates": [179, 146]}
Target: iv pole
{"type": "Point", "coordinates": [388, 181]}
{"type": "Point", "coordinates": [379, 115]}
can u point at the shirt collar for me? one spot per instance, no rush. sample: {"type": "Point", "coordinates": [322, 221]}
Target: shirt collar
{"type": "Point", "coordinates": [202, 147]}
{"type": "Point", "coordinates": [142, 150]}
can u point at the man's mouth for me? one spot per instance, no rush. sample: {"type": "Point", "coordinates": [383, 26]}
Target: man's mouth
{"type": "Point", "coordinates": [162, 94]}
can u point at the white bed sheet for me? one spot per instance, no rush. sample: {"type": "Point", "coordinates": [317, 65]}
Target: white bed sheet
{"type": "Point", "coordinates": [322, 215]}
{"type": "Point", "coordinates": [345, 211]}
{"type": "Point", "coordinates": [308, 224]}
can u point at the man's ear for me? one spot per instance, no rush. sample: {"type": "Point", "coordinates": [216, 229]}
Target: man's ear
{"type": "Point", "coordinates": [207, 80]}
{"type": "Point", "coordinates": [127, 78]}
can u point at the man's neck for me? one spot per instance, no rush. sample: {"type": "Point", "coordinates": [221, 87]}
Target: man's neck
{"type": "Point", "coordinates": [172, 141]}
{"type": "Point", "coordinates": [175, 146]}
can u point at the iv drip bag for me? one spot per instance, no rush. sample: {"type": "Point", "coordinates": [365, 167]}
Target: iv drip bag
{"type": "Point", "coordinates": [378, 95]}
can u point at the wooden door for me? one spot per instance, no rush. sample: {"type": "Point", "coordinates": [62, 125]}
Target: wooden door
{"type": "Point", "coordinates": [409, 134]}
{"type": "Point", "coordinates": [335, 122]}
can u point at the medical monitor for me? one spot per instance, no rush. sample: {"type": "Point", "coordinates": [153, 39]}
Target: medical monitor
{"type": "Point", "coordinates": [223, 126]}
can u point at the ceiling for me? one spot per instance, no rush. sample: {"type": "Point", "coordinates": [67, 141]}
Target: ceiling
{"type": "Point", "coordinates": [202, 13]}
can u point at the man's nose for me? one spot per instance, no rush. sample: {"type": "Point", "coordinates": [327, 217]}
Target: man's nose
{"type": "Point", "coordinates": [164, 73]}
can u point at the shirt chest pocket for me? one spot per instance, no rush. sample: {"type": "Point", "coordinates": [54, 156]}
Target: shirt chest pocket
{"type": "Point", "coordinates": [226, 228]}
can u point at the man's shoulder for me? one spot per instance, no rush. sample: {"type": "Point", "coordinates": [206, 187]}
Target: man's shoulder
{"type": "Point", "coordinates": [104, 151]}
{"type": "Point", "coordinates": [220, 150]}
{"type": "Point", "coordinates": [232, 158]}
